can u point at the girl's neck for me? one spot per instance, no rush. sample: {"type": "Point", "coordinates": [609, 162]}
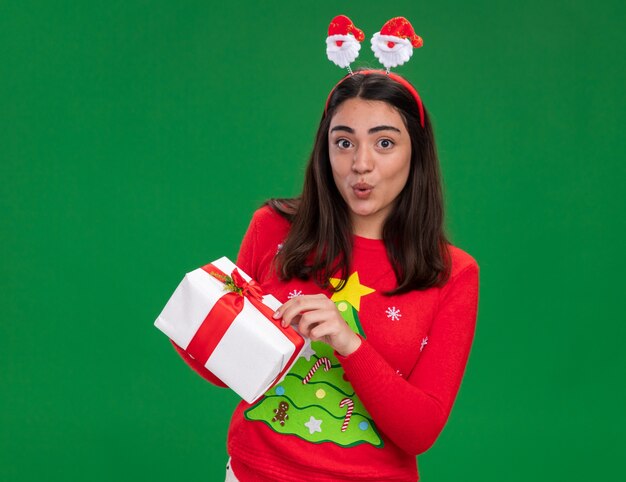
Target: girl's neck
{"type": "Point", "coordinates": [367, 227]}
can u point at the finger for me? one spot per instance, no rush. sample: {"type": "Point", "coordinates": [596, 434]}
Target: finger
{"type": "Point", "coordinates": [295, 321]}
{"type": "Point", "coordinates": [307, 301]}
{"type": "Point", "coordinates": [289, 316]}
{"type": "Point", "coordinates": [279, 313]}
{"type": "Point", "coordinates": [310, 319]}
{"type": "Point", "coordinates": [284, 307]}
{"type": "Point", "coordinates": [297, 306]}
{"type": "Point", "coordinates": [305, 330]}
{"type": "Point", "coordinates": [320, 330]}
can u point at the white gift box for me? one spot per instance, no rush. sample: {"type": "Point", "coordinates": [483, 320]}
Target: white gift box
{"type": "Point", "coordinates": [252, 352]}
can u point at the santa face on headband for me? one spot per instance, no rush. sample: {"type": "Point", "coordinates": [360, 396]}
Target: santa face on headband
{"type": "Point", "coordinates": [342, 49]}
{"type": "Point", "coordinates": [391, 51]}
{"type": "Point", "coordinates": [394, 44]}
{"type": "Point", "coordinates": [344, 41]}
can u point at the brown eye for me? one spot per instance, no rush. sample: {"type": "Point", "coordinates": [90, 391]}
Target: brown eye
{"type": "Point", "coordinates": [343, 144]}
{"type": "Point", "coordinates": [385, 143]}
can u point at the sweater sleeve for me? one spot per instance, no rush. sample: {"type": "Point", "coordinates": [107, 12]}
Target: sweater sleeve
{"type": "Point", "coordinates": [245, 262]}
{"type": "Point", "coordinates": [198, 367]}
{"type": "Point", "coordinates": [413, 411]}
{"type": "Point", "coordinates": [246, 258]}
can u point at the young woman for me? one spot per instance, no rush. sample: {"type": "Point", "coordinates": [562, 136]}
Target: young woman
{"type": "Point", "coordinates": [364, 269]}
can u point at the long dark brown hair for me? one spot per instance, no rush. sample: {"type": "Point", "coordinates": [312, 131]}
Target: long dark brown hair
{"type": "Point", "coordinates": [319, 243]}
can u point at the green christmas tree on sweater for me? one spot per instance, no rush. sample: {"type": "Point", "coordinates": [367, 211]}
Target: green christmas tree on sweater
{"type": "Point", "coordinates": [315, 401]}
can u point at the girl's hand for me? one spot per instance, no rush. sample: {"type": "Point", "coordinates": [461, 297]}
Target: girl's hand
{"type": "Point", "coordinates": [318, 318]}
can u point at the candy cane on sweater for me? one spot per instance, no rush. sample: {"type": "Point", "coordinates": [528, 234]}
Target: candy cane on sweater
{"type": "Point", "coordinates": [346, 420]}
{"type": "Point", "coordinates": [314, 368]}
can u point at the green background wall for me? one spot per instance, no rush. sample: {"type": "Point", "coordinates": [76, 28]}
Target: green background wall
{"type": "Point", "coordinates": [137, 138]}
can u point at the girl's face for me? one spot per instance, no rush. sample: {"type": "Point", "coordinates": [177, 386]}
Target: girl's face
{"type": "Point", "coordinates": [370, 157]}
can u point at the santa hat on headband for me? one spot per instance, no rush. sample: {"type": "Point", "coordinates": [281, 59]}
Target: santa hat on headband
{"type": "Point", "coordinates": [344, 41]}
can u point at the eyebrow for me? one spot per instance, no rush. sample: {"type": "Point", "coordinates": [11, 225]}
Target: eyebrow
{"type": "Point", "coordinates": [371, 131]}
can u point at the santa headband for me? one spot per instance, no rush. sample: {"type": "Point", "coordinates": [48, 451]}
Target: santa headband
{"type": "Point", "coordinates": [393, 46]}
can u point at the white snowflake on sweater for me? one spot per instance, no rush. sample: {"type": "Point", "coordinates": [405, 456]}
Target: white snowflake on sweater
{"type": "Point", "coordinates": [424, 343]}
{"type": "Point", "coordinates": [294, 293]}
{"type": "Point", "coordinates": [393, 313]}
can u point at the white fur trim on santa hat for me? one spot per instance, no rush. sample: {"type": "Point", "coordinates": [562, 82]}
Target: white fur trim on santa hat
{"type": "Point", "coordinates": [345, 54]}
{"type": "Point", "coordinates": [391, 56]}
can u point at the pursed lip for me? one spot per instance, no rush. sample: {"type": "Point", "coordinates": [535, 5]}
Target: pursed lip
{"type": "Point", "coordinates": [362, 190]}
{"type": "Point", "coordinates": [362, 186]}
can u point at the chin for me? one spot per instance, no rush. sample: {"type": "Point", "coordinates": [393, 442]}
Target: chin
{"type": "Point", "coordinates": [364, 213]}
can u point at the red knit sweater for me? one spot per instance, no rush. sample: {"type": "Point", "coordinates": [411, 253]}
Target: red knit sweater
{"type": "Point", "coordinates": [402, 380]}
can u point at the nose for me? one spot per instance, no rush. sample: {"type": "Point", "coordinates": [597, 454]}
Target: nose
{"type": "Point", "coordinates": [363, 161]}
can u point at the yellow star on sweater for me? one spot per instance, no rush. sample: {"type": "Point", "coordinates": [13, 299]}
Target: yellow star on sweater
{"type": "Point", "coordinates": [352, 290]}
